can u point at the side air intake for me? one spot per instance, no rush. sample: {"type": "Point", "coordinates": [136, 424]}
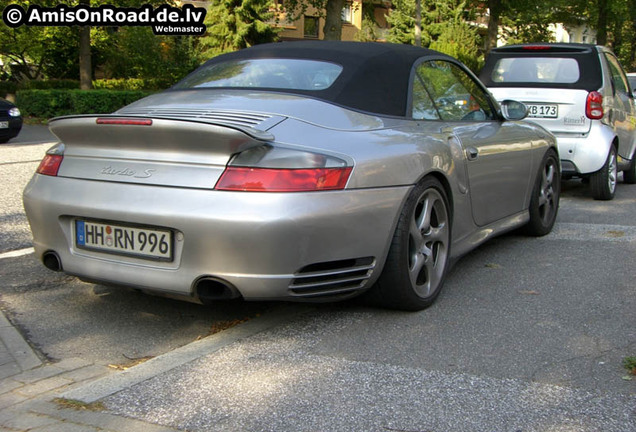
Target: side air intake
{"type": "Point", "coordinates": [332, 279]}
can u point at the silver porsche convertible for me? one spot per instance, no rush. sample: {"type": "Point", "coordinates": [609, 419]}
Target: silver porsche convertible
{"type": "Point", "coordinates": [306, 171]}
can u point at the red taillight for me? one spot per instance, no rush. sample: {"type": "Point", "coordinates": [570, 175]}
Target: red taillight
{"type": "Point", "coordinates": [536, 47]}
{"type": "Point", "coordinates": [50, 165]}
{"type": "Point", "coordinates": [594, 106]}
{"type": "Point", "coordinates": [283, 180]}
{"type": "Point", "coordinates": [124, 121]}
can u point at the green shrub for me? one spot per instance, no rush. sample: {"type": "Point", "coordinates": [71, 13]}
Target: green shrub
{"type": "Point", "coordinates": [54, 103]}
{"type": "Point", "coordinates": [132, 84]}
{"type": "Point", "coordinates": [49, 84]}
{"type": "Point", "coordinates": [7, 87]}
{"type": "Point", "coordinates": [44, 103]}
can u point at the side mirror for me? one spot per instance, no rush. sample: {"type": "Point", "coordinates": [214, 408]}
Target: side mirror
{"type": "Point", "coordinates": [513, 110]}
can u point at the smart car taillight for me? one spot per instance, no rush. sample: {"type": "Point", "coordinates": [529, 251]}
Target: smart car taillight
{"type": "Point", "coordinates": [283, 180]}
{"type": "Point", "coordinates": [594, 106]}
{"type": "Point", "coordinates": [50, 165]}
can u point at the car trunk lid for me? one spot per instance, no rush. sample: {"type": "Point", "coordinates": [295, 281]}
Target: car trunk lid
{"type": "Point", "coordinates": [154, 150]}
{"type": "Point", "coordinates": [561, 111]}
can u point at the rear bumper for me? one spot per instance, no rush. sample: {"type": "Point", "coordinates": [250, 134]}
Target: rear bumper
{"type": "Point", "coordinates": [585, 153]}
{"type": "Point", "coordinates": [15, 126]}
{"type": "Point", "coordinates": [257, 242]}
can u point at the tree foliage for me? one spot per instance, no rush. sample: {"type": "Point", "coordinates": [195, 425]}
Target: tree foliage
{"type": "Point", "coordinates": [445, 28]}
{"type": "Point", "coordinates": [236, 24]}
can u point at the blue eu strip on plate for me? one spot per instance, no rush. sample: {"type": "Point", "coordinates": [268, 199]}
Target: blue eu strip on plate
{"type": "Point", "coordinates": [79, 227]}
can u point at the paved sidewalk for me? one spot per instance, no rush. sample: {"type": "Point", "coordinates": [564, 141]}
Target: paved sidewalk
{"type": "Point", "coordinates": [29, 388]}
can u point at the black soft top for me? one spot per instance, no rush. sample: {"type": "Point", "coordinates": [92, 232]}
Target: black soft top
{"type": "Point", "coordinates": [375, 76]}
{"type": "Point", "coordinates": [586, 55]}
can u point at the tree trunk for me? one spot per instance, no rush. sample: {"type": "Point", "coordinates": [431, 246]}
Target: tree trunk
{"type": "Point", "coordinates": [85, 68]}
{"type": "Point", "coordinates": [601, 23]}
{"type": "Point", "coordinates": [494, 7]}
{"type": "Point", "coordinates": [333, 20]}
{"type": "Point", "coordinates": [418, 23]}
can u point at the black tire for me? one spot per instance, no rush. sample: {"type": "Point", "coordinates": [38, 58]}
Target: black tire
{"type": "Point", "coordinates": [603, 182]}
{"type": "Point", "coordinates": [629, 175]}
{"type": "Point", "coordinates": [417, 262]}
{"type": "Point", "coordinates": [544, 203]}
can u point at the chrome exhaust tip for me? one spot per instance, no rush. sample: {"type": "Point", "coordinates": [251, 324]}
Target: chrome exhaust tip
{"type": "Point", "coordinates": [209, 289]}
{"type": "Point", "coordinates": [52, 261]}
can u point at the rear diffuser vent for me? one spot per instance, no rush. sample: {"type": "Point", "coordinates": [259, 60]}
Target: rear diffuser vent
{"type": "Point", "coordinates": [334, 278]}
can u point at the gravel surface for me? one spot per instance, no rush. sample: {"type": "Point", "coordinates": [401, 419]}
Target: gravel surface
{"type": "Point", "coordinates": [17, 165]}
{"type": "Point", "coordinates": [275, 382]}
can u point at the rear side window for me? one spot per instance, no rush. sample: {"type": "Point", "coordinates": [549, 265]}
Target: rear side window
{"type": "Point", "coordinates": [618, 76]}
{"type": "Point", "coordinates": [539, 70]}
{"type": "Point", "coordinates": [442, 90]}
{"type": "Point", "coordinates": [293, 74]}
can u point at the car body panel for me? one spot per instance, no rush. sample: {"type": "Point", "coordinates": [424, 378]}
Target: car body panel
{"type": "Point", "coordinates": [246, 237]}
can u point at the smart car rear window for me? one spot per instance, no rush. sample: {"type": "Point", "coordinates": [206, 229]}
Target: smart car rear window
{"type": "Point", "coordinates": [540, 70]}
{"type": "Point", "coordinates": [286, 74]}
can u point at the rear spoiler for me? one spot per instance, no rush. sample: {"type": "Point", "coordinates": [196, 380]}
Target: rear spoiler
{"type": "Point", "coordinates": [137, 120]}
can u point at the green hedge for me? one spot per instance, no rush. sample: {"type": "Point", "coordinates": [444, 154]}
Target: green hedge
{"type": "Point", "coordinates": [49, 84]}
{"type": "Point", "coordinates": [132, 84]}
{"type": "Point", "coordinates": [7, 87]}
{"type": "Point", "coordinates": [53, 103]}
{"type": "Point", "coordinates": [155, 84]}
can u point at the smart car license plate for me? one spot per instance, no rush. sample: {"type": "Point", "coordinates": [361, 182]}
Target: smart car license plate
{"type": "Point", "coordinates": [543, 110]}
{"type": "Point", "coordinates": [142, 242]}
{"type": "Point", "coordinates": [4, 125]}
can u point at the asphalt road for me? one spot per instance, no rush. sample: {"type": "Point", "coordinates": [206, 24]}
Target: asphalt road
{"type": "Point", "coordinates": [528, 335]}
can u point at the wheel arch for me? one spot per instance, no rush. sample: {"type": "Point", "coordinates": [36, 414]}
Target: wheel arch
{"type": "Point", "coordinates": [439, 176]}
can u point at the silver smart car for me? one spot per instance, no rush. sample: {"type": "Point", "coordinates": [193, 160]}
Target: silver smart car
{"type": "Point", "coordinates": [300, 171]}
{"type": "Point", "coordinates": [581, 94]}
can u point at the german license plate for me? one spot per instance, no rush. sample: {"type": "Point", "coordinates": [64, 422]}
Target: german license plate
{"type": "Point", "coordinates": [4, 125]}
{"type": "Point", "coordinates": [142, 242]}
{"type": "Point", "coordinates": [543, 110]}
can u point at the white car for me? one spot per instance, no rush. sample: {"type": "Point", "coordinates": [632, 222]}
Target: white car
{"type": "Point", "coordinates": [631, 77]}
{"type": "Point", "coordinates": [580, 93]}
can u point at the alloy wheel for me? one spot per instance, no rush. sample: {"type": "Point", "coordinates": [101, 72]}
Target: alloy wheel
{"type": "Point", "coordinates": [429, 236]}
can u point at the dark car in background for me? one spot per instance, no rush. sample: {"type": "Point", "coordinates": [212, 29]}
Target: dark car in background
{"type": "Point", "coordinates": [10, 121]}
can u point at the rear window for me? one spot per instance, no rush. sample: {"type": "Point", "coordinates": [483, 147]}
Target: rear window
{"type": "Point", "coordinates": [539, 70]}
{"type": "Point", "coordinates": [559, 66]}
{"type": "Point", "coordinates": [288, 74]}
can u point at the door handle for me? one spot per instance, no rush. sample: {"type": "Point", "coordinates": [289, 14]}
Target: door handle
{"type": "Point", "coordinates": [472, 153]}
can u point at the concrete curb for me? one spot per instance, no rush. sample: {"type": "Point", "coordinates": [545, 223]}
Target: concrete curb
{"type": "Point", "coordinates": [112, 384]}
{"type": "Point", "coordinates": [21, 351]}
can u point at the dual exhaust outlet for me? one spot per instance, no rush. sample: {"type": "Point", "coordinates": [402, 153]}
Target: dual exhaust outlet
{"type": "Point", "coordinates": [206, 288]}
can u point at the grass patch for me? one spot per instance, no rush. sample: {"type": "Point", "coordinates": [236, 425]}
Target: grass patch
{"type": "Point", "coordinates": [132, 362]}
{"type": "Point", "coordinates": [629, 363]}
{"type": "Point", "coordinates": [224, 325]}
{"type": "Point", "coordinates": [615, 234]}
{"type": "Point", "coordinates": [79, 405]}
{"type": "Point", "coordinates": [35, 121]}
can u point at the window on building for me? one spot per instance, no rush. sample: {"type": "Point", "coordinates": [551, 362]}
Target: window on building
{"type": "Point", "coordinates": [311, 26]}
{"type": "Point", "coordinates": [347, 13]}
